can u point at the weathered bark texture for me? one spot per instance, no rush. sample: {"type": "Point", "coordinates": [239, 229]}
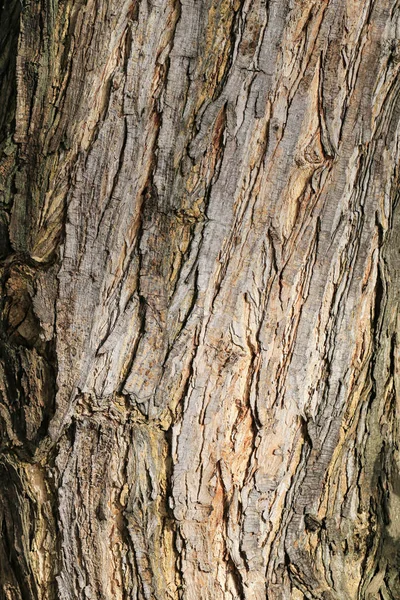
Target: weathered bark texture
{"type": "Point", "coordinates": [200, 267]}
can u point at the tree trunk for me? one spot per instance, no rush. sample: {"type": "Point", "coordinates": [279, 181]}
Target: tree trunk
{"type": "Point", "coordinates": [200, 267]}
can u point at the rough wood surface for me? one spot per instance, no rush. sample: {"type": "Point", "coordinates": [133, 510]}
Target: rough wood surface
{"type": "Point", "coordinates": [200, 270]}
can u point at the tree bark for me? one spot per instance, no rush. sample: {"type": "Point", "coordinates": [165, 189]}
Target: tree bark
{"type": "Point", "coordinates": [200, 267]}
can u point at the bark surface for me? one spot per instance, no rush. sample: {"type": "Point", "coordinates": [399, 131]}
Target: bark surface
{"type": "Point", "coordinates": [200, 267]}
